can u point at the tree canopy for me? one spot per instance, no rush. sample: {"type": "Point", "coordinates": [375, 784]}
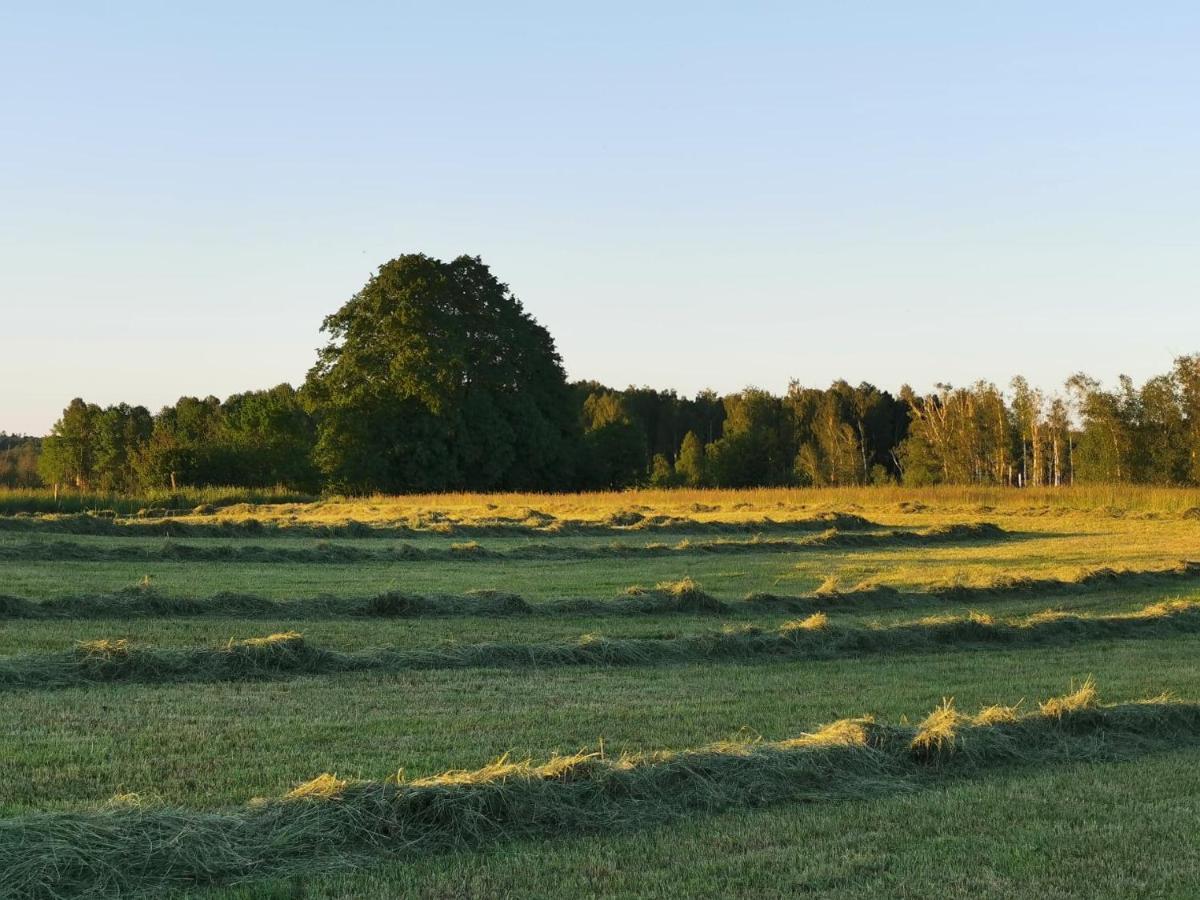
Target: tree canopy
{"type": "Point", "coordinates": [436, 378]}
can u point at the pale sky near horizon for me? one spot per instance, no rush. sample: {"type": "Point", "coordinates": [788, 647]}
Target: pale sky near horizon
{"type": "Point", "coordinates": [687, 195]}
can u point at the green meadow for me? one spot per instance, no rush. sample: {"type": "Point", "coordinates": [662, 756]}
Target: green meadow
{"type": "Point", "coordinates": [522, 696]}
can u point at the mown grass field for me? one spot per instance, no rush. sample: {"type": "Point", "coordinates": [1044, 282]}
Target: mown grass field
{"type": "Point", "coordinates": [734, 619]}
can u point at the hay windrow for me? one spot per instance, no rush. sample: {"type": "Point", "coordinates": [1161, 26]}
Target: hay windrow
{"type": "Point", "coordinates": [327, 552]}
{"type": "Point", "coordinates": [533, 524]}
{"type": "Point", "coordinates": [817, 637]}
{"type": "Point", "coordinates": [146, 850]}
{"type": "Point", "coordinates": [146, 602]}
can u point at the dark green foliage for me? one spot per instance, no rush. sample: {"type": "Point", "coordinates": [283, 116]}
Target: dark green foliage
{"type": "Point", "coordinates": [120, 431]}
{"type": "Point", "coordinates": [613, 453]}
{"type": "Point", "coordinates": [436, 378]}
{"type": "Point", "coordinates": [268, 438]}
{"type": "Point", "coordinates": [845, 435]}
{"type": "Point", "coordinates": [68, 452]}
{"type": "Point", "coordinates": [690, 465]}
{"type": "Point", "coordinates": [662, 473]}
{"type": "Point", "coordinates": [19, 461]}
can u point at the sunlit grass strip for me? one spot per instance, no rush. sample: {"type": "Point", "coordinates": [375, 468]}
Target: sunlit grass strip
{"type": "Point", "coordinates": [531, 524]}
{"type": "Point", "coordinates": [683, 596]}
{"type": "Point", "coordinates": [815, 637]}
{"type": "Point", "coordinates": [329, 821]}
{"type": "Point", "coordinates": [61, 550]}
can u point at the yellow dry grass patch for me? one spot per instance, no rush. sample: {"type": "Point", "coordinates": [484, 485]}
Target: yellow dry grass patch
{"type": "Point", "coordinates": [996, 715]}
{"type": "Point", "coordinates": [939, 730]}
{"type": "Point", "coordinates": [324, 787]}
{"type": "Point", "coordinates": [842, 733]}
{"type": "Point", "coordinates": [500, 769]}
{"type": "Point", "coordinates": [681, 588]}
{"type": "Point", "coordinates": [1166, 608]}
{"type": "Point", "coordinates": [977, 618]}
{"type": "Point", "coordinates": [103, 648]}
{"type": "Point", "coordinates": [564, 768]}
{"type": "Point", "coordinates": [831, 585]}
{"type": "Point", "coordinates": [278, 639]}
{"type": "Point", "coordinates": [818, 621]}
{"type": "Point", "coordinates": [1084, 697]}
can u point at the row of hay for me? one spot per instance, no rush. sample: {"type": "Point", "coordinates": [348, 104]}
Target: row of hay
{"type": "Point", "coordinates": [533, 524]}
{"type": "Point", "coordinates": [328, 822]}
{"type": "Point", "coordinates": [683, 596]}
{"type": "Point", "coordinates": [66, 551]}
{"type": "Point", "coordinates": [814, 637]}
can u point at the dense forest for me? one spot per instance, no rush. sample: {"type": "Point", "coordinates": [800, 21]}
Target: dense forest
{"type": "Point", "coordinates": [435, 378]}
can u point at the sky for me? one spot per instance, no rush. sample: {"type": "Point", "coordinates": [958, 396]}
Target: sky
{"type": "Point", "coordinates": [687, 195]}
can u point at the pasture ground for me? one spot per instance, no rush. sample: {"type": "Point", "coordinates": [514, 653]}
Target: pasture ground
{"type": "Point", "coordinates": [1109, 819]}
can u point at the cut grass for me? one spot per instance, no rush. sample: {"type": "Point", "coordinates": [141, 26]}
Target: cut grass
{"type": "Point", "coordinates": [206, 745]}
{"type": "Point", "coordinates": [129, 848]}
{"type": "Point", "coordinates": [288, 654]}
{"type": "Point", "coordinates": [55, 550]}
{"type": "Point", "coordinates": [201, 747]}
{"type": "Point", "coordinates": [1074, 831]}
{"type": "Point", "coordinates": [683, 596]}
{"type": "Point", "coordinates": [534, 524]}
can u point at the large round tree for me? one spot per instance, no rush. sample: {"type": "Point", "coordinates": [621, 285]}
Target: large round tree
{"type": "Point", "coordinates": [436, 378]}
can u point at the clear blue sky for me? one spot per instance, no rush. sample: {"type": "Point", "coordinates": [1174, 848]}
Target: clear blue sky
{"type": "Point", "coordinates": [693, 195]}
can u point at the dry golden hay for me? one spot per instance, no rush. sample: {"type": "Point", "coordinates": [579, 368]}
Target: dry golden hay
{"type": "Point", "coordinates": [323, 787]}
{"type": "Point", "coordinates": [997, 715]}
{"type": "Point", "coordinates": [103, 648]}
{"type": "Point", "coordinates": [278, 639]}
{"type": "Point", "coordinates": [500, 769]}
{"type": "Point", "coordinates": [831, 585]}
{"type": "Point", "coordinates": [681, 588]}
{"type": "Point", "coordinates": [1084, 697]}
{"type": "Point", "coordinates": [565, 768]}
{"type": "Point", "coordinates": [842, 733]}
{"type": "Point", "coordinates": [939, 730]}
{"type": "Point", "coordinates": [1167, 608]}
{"type": "Point", "coordinates": [818, 621]}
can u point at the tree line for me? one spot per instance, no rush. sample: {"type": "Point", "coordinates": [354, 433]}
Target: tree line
{"type": "Point", "coordinates": [435, 378]}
